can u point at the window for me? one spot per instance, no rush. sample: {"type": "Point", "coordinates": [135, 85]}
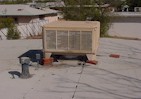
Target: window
{"type": "Point", "coordinates": [41, 17]}
{"type": "Point", "coordinates": [16, 20]}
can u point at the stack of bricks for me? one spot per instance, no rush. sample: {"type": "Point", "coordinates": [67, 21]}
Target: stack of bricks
{"type": "Point", "coordinates": [48, 61]}
{"type": "Point", "coordinates": [114, 55]}
{"type": "Point", "coordinates": [92, 62]}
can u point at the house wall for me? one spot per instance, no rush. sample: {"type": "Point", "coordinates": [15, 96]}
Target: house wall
{"type": "Point", "coordinates": [29, 26]}
{"type": "Point", "coordinates": [27, 30]}
{"type": "Point", "coordinates": [126, 27]}
{"type": "Point", "coordinates": [51, 18]}
{"type": "Point", "coordinates": [25, 20]}
{"type": "Point", "coordinates": [137, 9]}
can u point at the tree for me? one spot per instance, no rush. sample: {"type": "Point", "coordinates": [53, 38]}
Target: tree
{"type": "Point", "coordinates": [116, 3]}
{"type": "Point", "coordinates": [81, 10]}
{"type": "Point", "coordinates": [133, 3]}
{"type": "Point", "coordinates": [6, 22]}
{"type": "Point", "coordinates": [12, 32]}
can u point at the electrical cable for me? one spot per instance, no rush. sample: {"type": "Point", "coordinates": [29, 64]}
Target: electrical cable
{"type": "Point", "coordinates": [78, 81]}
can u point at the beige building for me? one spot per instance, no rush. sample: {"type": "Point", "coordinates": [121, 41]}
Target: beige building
{"type": "Point", "coordinates": [71, 38]}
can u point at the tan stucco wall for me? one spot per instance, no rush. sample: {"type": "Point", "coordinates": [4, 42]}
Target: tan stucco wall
{"type": "Point", "coordinates": [51, 18]}
{"type": "Point", "coordinates": [22, 20]}
{"type": "Point", "coordinates": [25, 20]}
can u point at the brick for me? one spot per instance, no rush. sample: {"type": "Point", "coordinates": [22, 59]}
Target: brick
{"type": "Point", "coordinates": [48, 61]}
{"type": "Point", "coordinates": [114, 55]}
{"type": "Point", "coordinates": [92, 62]}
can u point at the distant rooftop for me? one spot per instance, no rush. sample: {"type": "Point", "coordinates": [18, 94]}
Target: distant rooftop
{"type": "Point", "coordinates": [48, 10]}
{"type": "Point", "coordinates": [127, 14]}
{"type": "Point", "coordinates": [55, 4]}
{"type": "Point", "coordinates": [21, 10]}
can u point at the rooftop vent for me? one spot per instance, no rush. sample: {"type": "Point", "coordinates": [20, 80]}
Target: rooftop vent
{"type": "Point", "coordinates": [20, 9]}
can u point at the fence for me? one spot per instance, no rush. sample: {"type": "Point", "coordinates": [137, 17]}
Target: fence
{"type": "Point", "coordinates": [27, 30]}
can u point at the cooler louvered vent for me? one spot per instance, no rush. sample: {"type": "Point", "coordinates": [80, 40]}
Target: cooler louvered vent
{"type": "Point", "coordinates": [69, 40]}
{"type": "Point", "coordinates": [74, 40]}
{"type": "Point", "coordinates": [62, 40]}
{"type": "Point", "coordinates": [51, 39]}
{"type": "Point", "coordinates": [86, 40]}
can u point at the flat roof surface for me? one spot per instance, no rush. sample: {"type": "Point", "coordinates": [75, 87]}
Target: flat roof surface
{"type": "Point", "coordinates": [111, 78]}
{"type": "Point", "coordinates": [21, 10]}
{"type": "Point", "coordinates": [72, 24]}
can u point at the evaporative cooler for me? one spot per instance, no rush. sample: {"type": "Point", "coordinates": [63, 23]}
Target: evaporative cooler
{"type": "Point", "coordinates": [71, 37]}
